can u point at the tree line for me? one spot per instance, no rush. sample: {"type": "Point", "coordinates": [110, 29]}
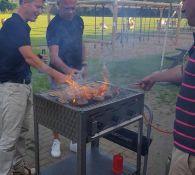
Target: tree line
{"type": "Point", "coordinates": [5, 5]}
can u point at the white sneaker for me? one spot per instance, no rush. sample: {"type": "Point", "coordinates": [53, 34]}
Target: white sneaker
{"type": "Point", "coordinates": [55, 149]}
{"type": "Point", "coordinates": [73, 146]}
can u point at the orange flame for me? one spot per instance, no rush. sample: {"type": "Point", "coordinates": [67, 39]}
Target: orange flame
{"type": "Point", "coordinates": [77, 91]}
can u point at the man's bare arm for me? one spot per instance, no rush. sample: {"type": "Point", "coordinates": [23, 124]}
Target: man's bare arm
{"type": "Point", "coordinates": [34, 60]}
{"type": "Point", "coordinates": [57, 61]}
{"type": "Point", "coordinates": [169, 75]}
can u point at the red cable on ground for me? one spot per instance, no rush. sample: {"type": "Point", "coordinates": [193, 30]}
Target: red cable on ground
{"type": "Point", "coordinates": [156, 127]}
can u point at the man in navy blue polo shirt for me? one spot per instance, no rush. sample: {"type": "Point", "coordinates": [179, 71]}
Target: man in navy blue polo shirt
{"type": "Point", "coordinates": [183, 156]}
{"type": "Point", "coordinates": [64, 38]}
{"type": "Point", "coordinates": [16, 57]}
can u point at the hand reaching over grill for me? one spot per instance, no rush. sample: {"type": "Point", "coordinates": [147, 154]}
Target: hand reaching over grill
{"type": "Point", "coordinates": [61, 78]}
{"type": "Point", "coordinates": [147, 82]}
{"type": "Point", "coordinates": [70, 71]}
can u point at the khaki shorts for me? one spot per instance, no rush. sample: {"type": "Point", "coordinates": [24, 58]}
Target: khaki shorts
{"type": "Point", "coordinates": [182, 163]}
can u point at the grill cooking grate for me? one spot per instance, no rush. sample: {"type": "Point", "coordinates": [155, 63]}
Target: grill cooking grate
{"type": "Point", "coordinates": [117, 95]}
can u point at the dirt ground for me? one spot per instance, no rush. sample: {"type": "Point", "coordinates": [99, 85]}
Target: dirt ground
{"type": "Point", "coordinates": [162, 143]}
{"type": "Point", "coordinates": [136, 48]}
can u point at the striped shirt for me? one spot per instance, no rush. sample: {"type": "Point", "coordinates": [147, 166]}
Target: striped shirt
{"type": "Point", "coordinates": [184, 125]}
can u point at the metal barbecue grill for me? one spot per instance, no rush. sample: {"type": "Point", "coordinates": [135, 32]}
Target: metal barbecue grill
{"type": "Point", "coordinates": [86, 123]}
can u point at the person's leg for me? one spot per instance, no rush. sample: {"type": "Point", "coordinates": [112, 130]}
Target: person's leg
{"type": "Point", "coordinates": [73, 146]}
{"type": "Point", "coordinates": [13, 100]}
{"type": "Point", "coordinates": [191, 161]}
{"type": "Point", "coordinates": [179, 163]}
{"type": "Point", "coordinates": [19, 165]}
{"type": "Point", "coordinates": [55, 149]}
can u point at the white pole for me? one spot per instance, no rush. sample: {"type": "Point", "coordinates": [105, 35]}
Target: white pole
{"type": "Point", "coordinates": [165, 38]}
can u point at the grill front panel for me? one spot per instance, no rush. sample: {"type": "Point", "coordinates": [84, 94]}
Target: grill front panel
{"type": "Point", "coordinates": [65, 118]}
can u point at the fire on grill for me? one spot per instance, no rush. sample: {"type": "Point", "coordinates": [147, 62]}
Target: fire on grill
{"type": "Point", "coordinates": [81, 94]}
{"type": "Point", "coordinates": [116, 106]}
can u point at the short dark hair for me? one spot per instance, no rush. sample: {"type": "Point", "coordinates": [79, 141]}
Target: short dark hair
{"type": "Point", "coordinates": [22, 1]}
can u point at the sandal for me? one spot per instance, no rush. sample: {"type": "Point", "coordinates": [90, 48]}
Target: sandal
{"type": "Point", "coordinates": [23, 170]}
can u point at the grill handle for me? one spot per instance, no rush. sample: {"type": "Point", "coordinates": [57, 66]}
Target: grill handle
{"type": "Point", "coordinates": [121, 125]}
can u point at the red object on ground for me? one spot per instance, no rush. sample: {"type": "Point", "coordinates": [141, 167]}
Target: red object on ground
{"type": "Point", "coordinates": [117, 166]}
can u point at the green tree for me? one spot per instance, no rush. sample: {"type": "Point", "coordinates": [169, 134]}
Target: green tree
{"type": "Point", "coordinates": [6, 5]}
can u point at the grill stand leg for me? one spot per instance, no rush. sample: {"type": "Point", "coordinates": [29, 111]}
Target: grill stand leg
{"type": "Point", "coordinates": [140, 132]}
{"type": "Point", "coordinates": [95, 143]}
{"type": "Point", "coordinates": [36, 136]}
{"type": "Point", "coordinates": [81, 147]}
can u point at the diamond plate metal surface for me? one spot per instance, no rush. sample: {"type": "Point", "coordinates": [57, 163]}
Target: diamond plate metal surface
{"type": "Point", "coordinates": [65, 118]}
{"type": "Point", "coordinates": [55, 117]}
